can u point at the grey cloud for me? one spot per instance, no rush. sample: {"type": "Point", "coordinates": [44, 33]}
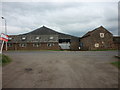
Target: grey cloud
{"type": "Point", "coordinates": [72, 18]}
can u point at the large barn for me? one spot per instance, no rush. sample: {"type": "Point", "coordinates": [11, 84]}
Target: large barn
{"type": "Point", "coordinates": [43, 39]}
{"type": "Point", "coordinates": [47, 39]}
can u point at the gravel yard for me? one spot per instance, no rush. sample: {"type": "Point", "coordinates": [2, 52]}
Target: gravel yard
{"type": "Point", "coordinates": [60, 69]}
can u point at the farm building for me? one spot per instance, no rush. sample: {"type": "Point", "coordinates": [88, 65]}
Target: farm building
{"type": "Point", "coordinates": [116, 40]}
{"type": "Point", "coordinates": [43, 39]}
{"type": "Point", "coordinates": [98, 39]}
{"type": "Point", "coordinates": [47, 39]}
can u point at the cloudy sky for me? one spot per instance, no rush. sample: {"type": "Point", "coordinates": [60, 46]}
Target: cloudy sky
{"type": "Point", "coordinates": [75, 18]}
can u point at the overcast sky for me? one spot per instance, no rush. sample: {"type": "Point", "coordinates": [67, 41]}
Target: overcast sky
{"type": "Point", "coordinates": [75, 18]}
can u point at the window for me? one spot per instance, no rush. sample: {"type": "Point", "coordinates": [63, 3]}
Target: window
{"type": "Point", "coordinates": [81, 44]}
{"type": "Point", "coordinates": [22, 45]}
{"type": "Point", "coordinates": [37, 38]}
{"type": "Point", "coordinates": [36, 45]}
{"type": "Point", "coordinates": [9, 45]}
{"type": "Point", "coordinates": [50, 44]}
{"type": "Point", "coordinates": [51, 37]}
{"type": "Point", "coordinates": [10, 38]}
{"type": "Point", "coordinates": [102, 35]}
{"type": "Point", "coordinates": [96, 44]}
{"type": "Point", "coordinates": [23, 38]}
{"type": "Point", "coordinates": [102, 42]}
{"type": "Point", "coordinates": [64, 40]}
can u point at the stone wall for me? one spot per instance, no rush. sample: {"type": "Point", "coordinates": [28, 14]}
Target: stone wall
{"type": "Point", "coordinates": [74, 43]}
{"type": "Point", "coordinates": [34, 46]}
{"type": "Point", "coordinates": [95, 42]}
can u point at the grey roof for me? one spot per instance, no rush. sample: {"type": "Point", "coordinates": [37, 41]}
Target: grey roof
{"type": "Point", "coordinates": [47, 31]}
{"type": "Point", "coordinates": [99, 28]}
{"type": "Point", "coordinates": [44, 35]}
{"type": "Point", "coordinates": [42, 31]}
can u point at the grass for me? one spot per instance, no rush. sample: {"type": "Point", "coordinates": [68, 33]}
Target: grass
{"type": "Point", "coordinates": [117, 57]}
{"type": "Point", "coordinates": [105, 50]}
{"type": "Point", "coordinates": [39, 50]}
{"type": "Point", "coordinates": [116, 63]}
{"type": "Point", "coordinates": [51, 50]}
{"type": "Point", "coordinates": [4, 59]}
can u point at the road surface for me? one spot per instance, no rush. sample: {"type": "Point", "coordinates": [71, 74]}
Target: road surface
{"type": "Point", "coordinates": [60, 69]}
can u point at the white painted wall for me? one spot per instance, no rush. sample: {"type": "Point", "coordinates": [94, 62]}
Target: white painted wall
{"type": "Point", "coordinates": [64, 45]}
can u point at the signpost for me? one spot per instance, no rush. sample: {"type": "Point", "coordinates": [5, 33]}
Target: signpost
{"type": "Point", "coordinates": [5, 29]}
{"type": "Point", "coordinates": [3, 38]}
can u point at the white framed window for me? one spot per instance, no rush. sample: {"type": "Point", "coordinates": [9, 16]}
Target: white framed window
{"type": "Point", "coordinates": [96, 44]}
{"type": "Point", "coordinates": [50, 44]}
{"type": "Point", "coordinates": [102, 42]}
{"type": "Point", "coordinates": [22, 45]}
{"type": "Point", "coordinates": [51, 37]}
{"type": "Point", "coordinates": [102, 35]}
{"type": "Point", "coordinates": [36, 44]}
{"type": "Point", "coordinates": [10, 38]}
{"type": "Point", "coordinates": [37, 38]}
{"type": "Point", "coordinates": [23, 38]}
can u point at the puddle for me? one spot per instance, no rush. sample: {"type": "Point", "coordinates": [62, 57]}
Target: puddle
{"type": "Point", "coordinates": [28, 69]}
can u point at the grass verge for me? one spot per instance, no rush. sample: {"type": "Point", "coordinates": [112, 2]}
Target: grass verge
{"type": "Point", "coordinates": [105, 50]}
{"type": "Point", "coordinates": [116, 63]}
{"type": "Point", "coordinates": [4, 59]}
{"type": "Point", "coordinates": [117, 56]}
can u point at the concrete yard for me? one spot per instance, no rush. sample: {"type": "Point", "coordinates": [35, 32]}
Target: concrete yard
{"type": "Point", "coordinates": [60, 69]}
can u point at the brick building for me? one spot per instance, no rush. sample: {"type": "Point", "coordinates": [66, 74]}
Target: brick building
{"type": "Point", "coordinates": [98, 39]}
{"type": "Point", "coordinates": [43, 39]}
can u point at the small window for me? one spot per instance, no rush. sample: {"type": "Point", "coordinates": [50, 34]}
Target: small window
{"type": "Point", "coordinates": [102, 42]}
{"type": "Point", "coordinates": [81, 44]}
{"type": "Point", "coordinates": [22, 45]}
{"type": "Point", "coordinates": [37, 38]}
{"type": "Point", "coordinates": [96, 44]}
{"type": "Point", "coordinates": [36, 45]}
{"type": "Point", "coordinates": [50, 44]}
{"type": "Point", "coordinates": [10, 38]}
{"type": "Point", "coordinates": [23, 38]}
{"type": "Point", "coordinates": [102, 35]}
{"type": "Point", "coordinates": [51, 37]}
{"type": "Point", "coordinates": [9, 45]}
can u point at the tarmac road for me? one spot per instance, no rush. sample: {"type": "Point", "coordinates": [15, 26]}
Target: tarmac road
{"type": "Point", "coordinates": [60, 69]}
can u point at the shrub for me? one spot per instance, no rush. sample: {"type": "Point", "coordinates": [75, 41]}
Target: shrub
{"type": "Point", "coordinates": [4, 59]}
